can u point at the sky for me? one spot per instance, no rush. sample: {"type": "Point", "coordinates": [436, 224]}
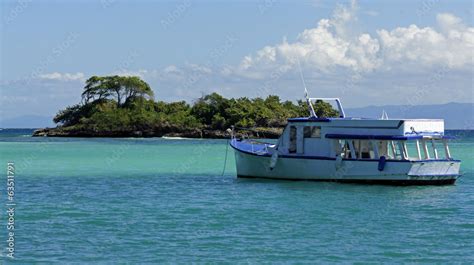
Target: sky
{"type": "Point", "coordinates": [364, 52]}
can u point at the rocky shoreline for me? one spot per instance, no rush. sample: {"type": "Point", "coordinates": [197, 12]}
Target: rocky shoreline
{"type": "Point", "coordinates": [269, 133]}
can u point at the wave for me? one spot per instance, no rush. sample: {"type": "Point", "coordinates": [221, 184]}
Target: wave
{"type": "Point", "coordinates": [178, 138]}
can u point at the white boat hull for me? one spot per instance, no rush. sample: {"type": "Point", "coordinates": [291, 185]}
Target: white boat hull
{"type": "Point", "coordinates": [348, 170]}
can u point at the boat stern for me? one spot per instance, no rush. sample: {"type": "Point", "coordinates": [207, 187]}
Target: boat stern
{"type": "Point", "coordinates": [436, 171]}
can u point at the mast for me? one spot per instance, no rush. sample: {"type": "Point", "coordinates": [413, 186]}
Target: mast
{"type": "Point", "coordinates": [308, 100]}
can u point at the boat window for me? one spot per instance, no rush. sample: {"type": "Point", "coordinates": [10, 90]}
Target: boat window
{"type": "Point", "coordinates": [405, 150]}
{"type": "Point", "coordinates": [345, 149]}
{"type": "Point", "coordinates": [312, 132]}
{"type": "Point", "coordinates": [292, 147]}
{"type": "Point", "coordinates": [394, 152]}
{"type": "Point", "coordinates": [393, 149]}
{"type": "Point", "coordinates": [368, 150]}
{"type": "Point", "coordinates": [383, 149]}
{"type": "Point", "coordinates": [446, 149]}
{"type": "Point", "coordinates": [428, 149]}
{"type": "Point", "coordinates": [435, 150]}
{"type": "Point", "coordinates": [371, 149]}
{"type": "Point", "coordinates": [400, 150]}
{"type": "Point", "coordinates": [364, 149]}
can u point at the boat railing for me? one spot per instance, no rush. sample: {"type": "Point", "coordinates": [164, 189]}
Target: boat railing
{"type": "Point", "coordinates": [425, 148]}
{"type": "Point", "coordinates": [337, 100]}
{"type": "Point", "coordinates": [256, 146]}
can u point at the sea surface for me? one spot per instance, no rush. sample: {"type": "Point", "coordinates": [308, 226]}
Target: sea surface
{"type": "Point", "coordinates": [166, 201]}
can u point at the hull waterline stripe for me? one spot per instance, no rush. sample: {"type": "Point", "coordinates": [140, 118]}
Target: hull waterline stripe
{"type": "Point", "coordinates": [367, 181]}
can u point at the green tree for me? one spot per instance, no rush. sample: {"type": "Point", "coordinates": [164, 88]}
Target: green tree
{"type": "Point", "coordinates": [121, 88]}
{"type": "Point", "coordinates": [325, 110]}
{"type": "Point", "coordinates": [96, 89]}
{"type": "Point", "coordinates": [321, 108]}
{"type": "Point", "coordinates": [206, 107]}
{"type": "Point", "coordinates": [68, 116]}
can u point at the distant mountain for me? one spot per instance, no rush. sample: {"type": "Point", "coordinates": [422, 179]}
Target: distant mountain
{"type": "Point", "coordinates": [455, 115]}
{"type": "Point", "coordinates": [27, 121]}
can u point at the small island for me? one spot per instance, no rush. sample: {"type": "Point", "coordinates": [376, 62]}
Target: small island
{"type": "Point", "coordinates": [125, 106]}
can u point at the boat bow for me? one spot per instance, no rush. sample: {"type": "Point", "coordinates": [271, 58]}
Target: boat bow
{"type": "Point", "coordinates": [253, 147]}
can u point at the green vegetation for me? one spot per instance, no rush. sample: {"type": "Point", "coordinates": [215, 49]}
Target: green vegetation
{"type": "Point", "coordinates": [119, 106]}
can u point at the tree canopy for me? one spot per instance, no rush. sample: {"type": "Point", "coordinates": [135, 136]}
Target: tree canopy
{"type": "Point", "coordinates": [126, 104]}
{"type": "Point", "coordinates": [324, 109]}
{"type": "Point", "coordinates": [120, 88]}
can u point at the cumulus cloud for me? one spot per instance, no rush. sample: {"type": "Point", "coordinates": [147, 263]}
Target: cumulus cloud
{"type": "Point", "coordinates": [171, 69]}
{"type": "Point", "coordinates": [332, 45]}
{"type": "Point", "coordinates": [181, 73]}
{"type": "Point", "coordinates": [452, 46]}
{"type": "Point", "coordinates": [327, 46]}
{"type": "Point", "coordinates": [140, 73]}
{"type": "Point", "coordinates": [199, 68]}
{"type": "Point", "coordinates": [63, 76]}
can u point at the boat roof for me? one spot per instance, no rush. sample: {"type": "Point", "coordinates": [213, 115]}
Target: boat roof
{"type": "Point", "coordinates": [385, 137]}
{"type": "Point", "coordinates": [367, 128]}
{"type": "Point", "coordinates": [313, 119]}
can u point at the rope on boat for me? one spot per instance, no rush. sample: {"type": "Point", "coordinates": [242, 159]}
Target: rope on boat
{"type": "Point", "coordinates": [225, 159]}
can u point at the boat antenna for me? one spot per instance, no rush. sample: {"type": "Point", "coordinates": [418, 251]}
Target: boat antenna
{"type": "Point", "coordinates": [306, 95]}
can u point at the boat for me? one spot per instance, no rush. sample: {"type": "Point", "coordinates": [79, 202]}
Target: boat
{"type": "Point", "coordinates": [351, 150]}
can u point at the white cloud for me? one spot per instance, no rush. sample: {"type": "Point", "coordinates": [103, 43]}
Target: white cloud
{"type": "Point", "coordinates": [331, 45]}
{"type": "Point", "coordinates": [63, 76]}
{"type": "Point", "coordinates": [452, 46]}
{"type": "Point", "coordinates": [181, 73]}
{"type": "Point", "coordinates": [199, 68]}
{"type": "Point", "coordinates": [171, 69]}
{"type": "Point", "coordinates": [448, 22]}
{"type": "Point", "coordinates": [323, 48]}
{"type": "Point", "coordinates": [140, 73]}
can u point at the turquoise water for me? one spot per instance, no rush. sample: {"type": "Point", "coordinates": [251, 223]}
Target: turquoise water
{"type": "Point", "coordinates": [157, 200]}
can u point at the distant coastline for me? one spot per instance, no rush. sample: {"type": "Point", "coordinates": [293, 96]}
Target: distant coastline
{"type": "Point", "coordinates": [268, 133]}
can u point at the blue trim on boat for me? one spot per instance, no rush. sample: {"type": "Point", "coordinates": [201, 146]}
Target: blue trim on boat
{"type": "Point", "coordinates": [436, 160]}
{"type": "Point", "coordinates": [373, 137]}
{"type": "Point", "coordinates": [383, 137]}
{"type": "Point", "coordinates": [393, 182]}
{"type": "Point", "coordinates": [312, 119]}
{"type": "Point", "coordinates": [425, 133]}
{"type": "Point", "coordinates": [435, 175]}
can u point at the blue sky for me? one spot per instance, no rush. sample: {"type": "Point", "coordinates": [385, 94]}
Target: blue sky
{"type": "Point", "coordinates": [366, 52]}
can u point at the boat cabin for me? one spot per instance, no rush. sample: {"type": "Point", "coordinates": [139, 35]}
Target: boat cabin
{"type": "Point", "coordinates": [358, 138]}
